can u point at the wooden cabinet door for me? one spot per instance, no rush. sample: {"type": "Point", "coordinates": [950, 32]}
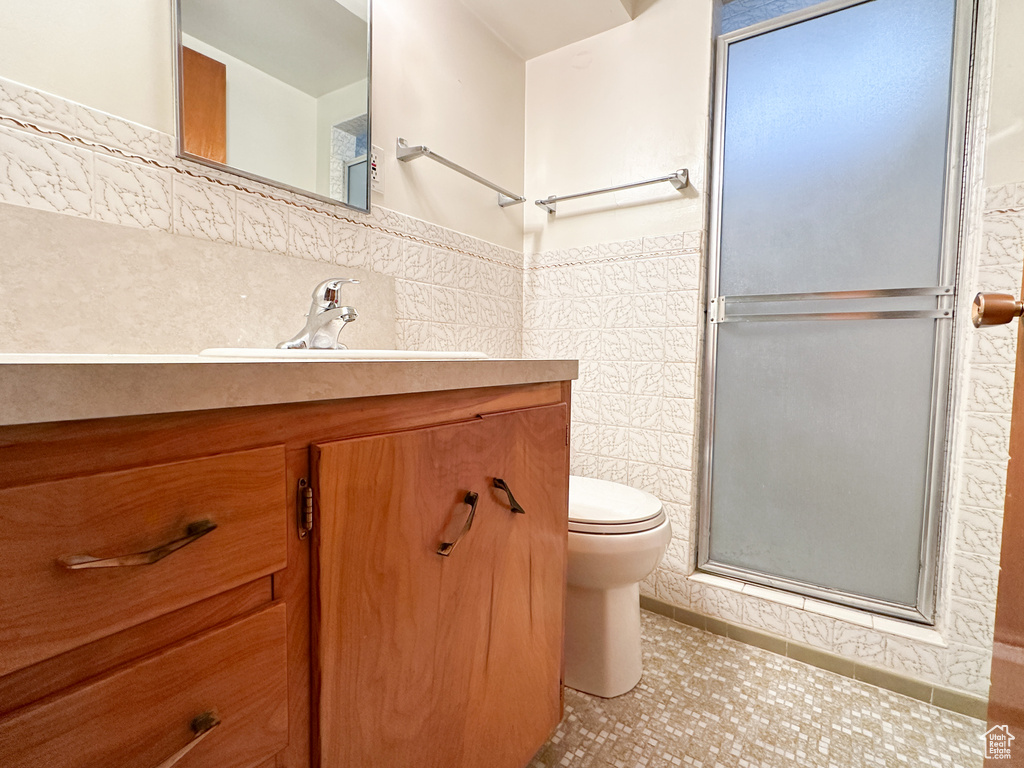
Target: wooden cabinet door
{"type": "Point", "coordinates": [517, 691]}
{"type": "Point", "coordinates": [392, 619]}
{"type": "Point", "coordinates": [429, 660]}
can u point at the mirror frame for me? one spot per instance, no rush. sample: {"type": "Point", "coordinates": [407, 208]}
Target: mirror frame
{"type": "Point", "coordinates": [179, 120]}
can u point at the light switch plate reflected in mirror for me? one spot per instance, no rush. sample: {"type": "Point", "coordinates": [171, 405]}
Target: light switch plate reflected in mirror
{"type": "Point", "coordinates": [278, 92]}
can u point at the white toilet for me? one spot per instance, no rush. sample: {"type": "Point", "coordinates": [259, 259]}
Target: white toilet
{"type": "Point", "coordinates": [617, 536]}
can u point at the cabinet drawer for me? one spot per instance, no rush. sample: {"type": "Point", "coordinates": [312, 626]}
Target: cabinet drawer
{"type": "Point", "coordinates": [48, 608]}
{"type": "Point", "coordinates": [141, 715]}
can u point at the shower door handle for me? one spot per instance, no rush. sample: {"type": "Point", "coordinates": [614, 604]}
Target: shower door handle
{"type": "Point", "coordinates": [995, 309]}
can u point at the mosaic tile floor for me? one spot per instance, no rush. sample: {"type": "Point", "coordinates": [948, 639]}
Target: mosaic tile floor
{"type": "Point", "coordinates": [709, 702]}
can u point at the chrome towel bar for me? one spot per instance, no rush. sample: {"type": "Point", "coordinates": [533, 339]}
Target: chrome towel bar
{"type": "Point", "coordinates": [680, 180]}
{"type": "Point", "coordinates": [406, 153]}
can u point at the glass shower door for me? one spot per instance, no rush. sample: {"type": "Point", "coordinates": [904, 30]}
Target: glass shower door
{"type": "Point", "coordinates": [833, 243]}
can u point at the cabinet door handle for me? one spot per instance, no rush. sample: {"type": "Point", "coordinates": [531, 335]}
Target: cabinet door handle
{"type": "Point", "coordinates": [194, 531]}
{"type": "Point", "coordinates": [447, 546]}
{"type": "Point", "coordinates": [513, 504]}
{"type": "Point", "coordinates": [201, 726]}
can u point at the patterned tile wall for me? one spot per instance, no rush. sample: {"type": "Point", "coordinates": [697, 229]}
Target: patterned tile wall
{"type": "Point", "coordinates": [455, 292]}
{"type": "Point", "coordinates": [632, 313]}
{"type": "Point", "coordinates": [629, 311]}
{"type": "Point", "coordinates": [978, 478]}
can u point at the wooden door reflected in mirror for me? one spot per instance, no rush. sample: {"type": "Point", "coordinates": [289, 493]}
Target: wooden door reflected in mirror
{"type": "Point", "coordinates": [204, 106]}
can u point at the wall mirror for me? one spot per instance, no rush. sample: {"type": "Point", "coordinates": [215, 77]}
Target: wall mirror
{"type": "Point", "coordinates": [278, 92]}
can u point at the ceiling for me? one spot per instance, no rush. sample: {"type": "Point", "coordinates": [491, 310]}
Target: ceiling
{"type": "Point", "coordinates": [316, 46]}
{"type": "Point", "coordinates": [534, 27]}
{"type": "Point", "coordinates": [319, 46]}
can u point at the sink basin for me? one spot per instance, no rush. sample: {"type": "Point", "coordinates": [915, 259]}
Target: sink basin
{"type": "Point", "coordinates": [338, 354]}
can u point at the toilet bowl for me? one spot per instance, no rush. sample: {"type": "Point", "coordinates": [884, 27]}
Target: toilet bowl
{"type": "Point", "coordinates": [617, 536]}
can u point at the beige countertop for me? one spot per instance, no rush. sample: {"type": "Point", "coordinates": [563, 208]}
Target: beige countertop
{"type": "Point", "coordinates": [36, 388]}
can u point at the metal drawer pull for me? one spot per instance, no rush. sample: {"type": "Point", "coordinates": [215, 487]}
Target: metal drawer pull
{"type": "Point", "coordinates": [201, 726]}
{"type": "Point", "coordinates": [513, 504]}
{"type": "Point", "coordinates": [447, 546]}
{"type": "Point", "coordinates": [194, 531]}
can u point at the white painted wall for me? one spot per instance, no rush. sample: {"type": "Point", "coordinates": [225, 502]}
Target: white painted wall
{"type": "Point", "coordinates": [333, 108]}
{"type": "Point", "coordinates": [112, 55]}
{"type": "Point", "coordinates": [271, 126]}
{"type": "Point", "coordinates": [441, 78]}
{"type": "Point", "coordinates": [1004, 161]}
{"type": "Point", "coordinates": [626, 105]}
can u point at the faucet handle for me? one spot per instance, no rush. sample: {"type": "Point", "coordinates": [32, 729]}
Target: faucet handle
{"type": "Point", "coordinates": [327, 295]}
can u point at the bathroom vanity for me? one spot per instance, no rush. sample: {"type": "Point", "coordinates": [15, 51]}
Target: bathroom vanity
{"type": "Point", "coordinates": [242, 564]}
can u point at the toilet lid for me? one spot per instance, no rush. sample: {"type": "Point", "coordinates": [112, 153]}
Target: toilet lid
{"type": "Point", "coordinates": [600, 506]}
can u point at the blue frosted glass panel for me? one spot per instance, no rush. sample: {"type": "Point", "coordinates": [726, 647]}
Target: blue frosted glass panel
{"type": "Point", "coordinates": [821, 452]}
{"type": "Point", "coordinates": [840, 119]}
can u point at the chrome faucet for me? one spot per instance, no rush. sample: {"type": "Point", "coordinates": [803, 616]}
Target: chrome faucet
{"type": "Point", "coordinates": [326, 318]}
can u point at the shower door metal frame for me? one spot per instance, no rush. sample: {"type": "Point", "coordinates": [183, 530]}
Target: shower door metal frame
{"type": "Point", "coordinates": [942, 378]}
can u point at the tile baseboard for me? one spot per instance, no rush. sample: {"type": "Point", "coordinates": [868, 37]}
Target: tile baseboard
{"type": "Point", "coordinates": [944, 698]}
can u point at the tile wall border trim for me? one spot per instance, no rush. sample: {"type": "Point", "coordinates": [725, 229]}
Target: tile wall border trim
{"type": "Point", "coordinates": [944, 698]}
{"type": "Point", "coordinates": [182, 170]}
{"type": "Point", "coordinates": [623, 257]}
